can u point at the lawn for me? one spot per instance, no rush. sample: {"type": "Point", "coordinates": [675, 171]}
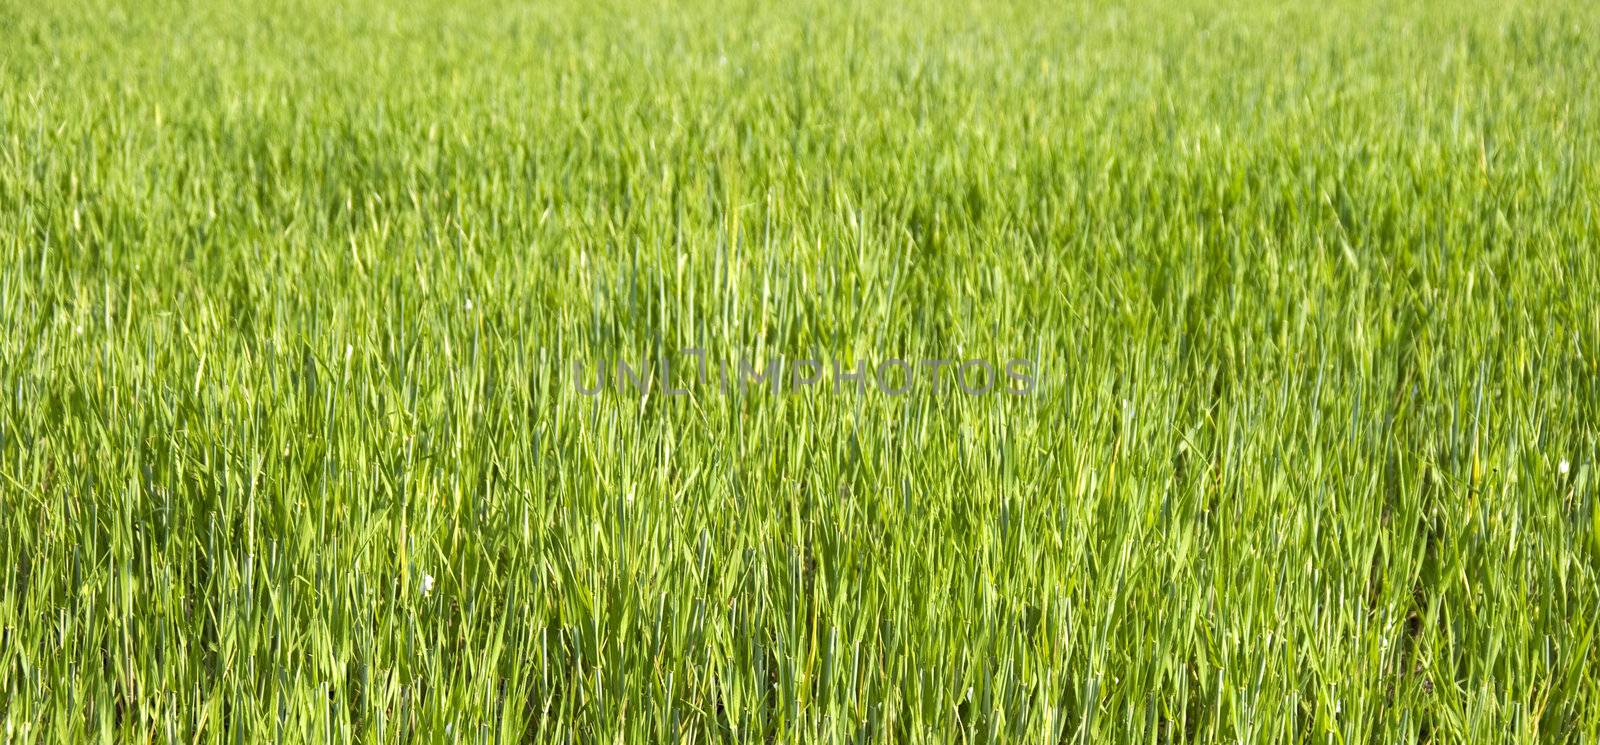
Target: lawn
{"type": "Point", "coordinates": [314, 425]}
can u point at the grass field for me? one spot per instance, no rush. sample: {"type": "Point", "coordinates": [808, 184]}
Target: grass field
{"type": "Point", "coordinates": [292, 446]}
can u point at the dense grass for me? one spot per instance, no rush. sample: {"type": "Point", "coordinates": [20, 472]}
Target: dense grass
{"type": "Point", "coordinates": [290, 292]}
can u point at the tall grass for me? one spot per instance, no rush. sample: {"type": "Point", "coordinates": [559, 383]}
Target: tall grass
{"type": "Point", "coordinates": [290, 449]}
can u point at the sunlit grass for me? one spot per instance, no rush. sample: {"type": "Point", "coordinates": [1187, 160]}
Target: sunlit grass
{"type": "Point", "coordinates": [290, 447]}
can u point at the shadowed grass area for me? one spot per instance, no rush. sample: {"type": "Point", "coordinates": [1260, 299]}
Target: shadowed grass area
{"type": "Point", "coordinates": [291, 447]}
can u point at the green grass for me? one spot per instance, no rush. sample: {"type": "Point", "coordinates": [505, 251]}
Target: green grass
{"type": "Point", "coordinates": [290, 292]}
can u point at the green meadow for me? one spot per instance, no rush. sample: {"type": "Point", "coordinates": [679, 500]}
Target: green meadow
{"type": "Point", "coordinates": [298, 302]}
